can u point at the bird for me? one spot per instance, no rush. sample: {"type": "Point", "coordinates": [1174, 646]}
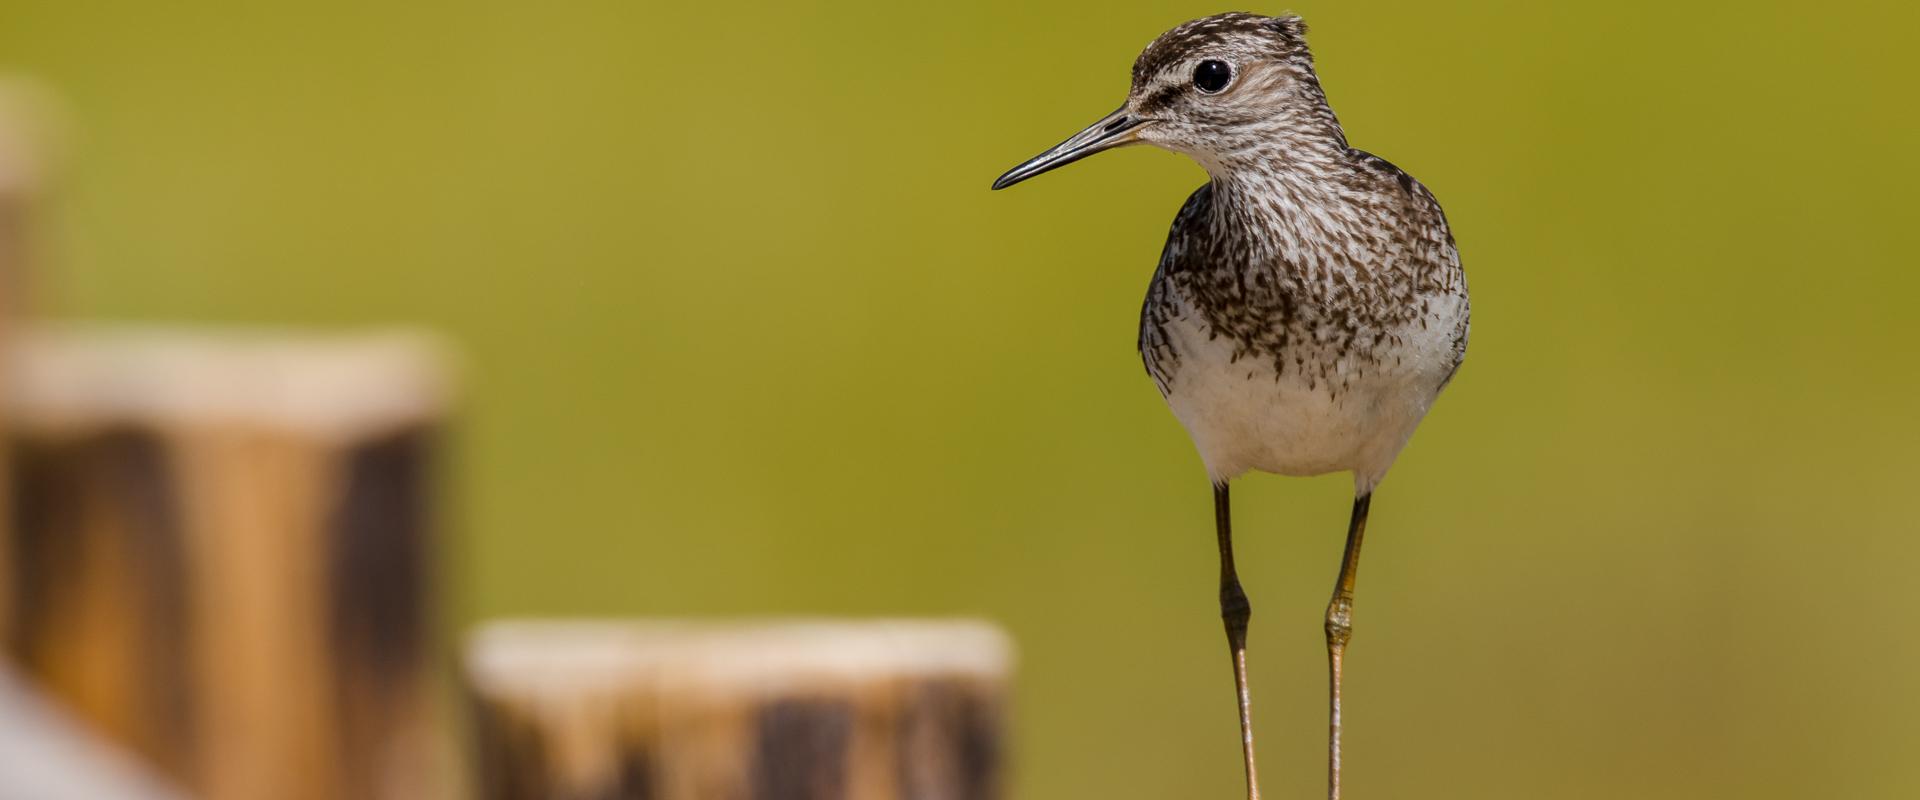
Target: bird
{"type": "Point", "coordinates": [1309, 305]}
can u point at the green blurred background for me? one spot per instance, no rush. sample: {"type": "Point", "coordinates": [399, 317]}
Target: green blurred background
{"type": "Point", "coordinates": [746, 333]}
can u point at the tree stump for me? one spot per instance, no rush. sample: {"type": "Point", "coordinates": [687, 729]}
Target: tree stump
{"type": "Point", "coordinates": [805, 710]}
{"type": "Point", "coordinates": [219, 551]}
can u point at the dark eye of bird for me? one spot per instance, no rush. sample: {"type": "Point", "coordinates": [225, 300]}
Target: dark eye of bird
{"type": "Point", "coordinates": [1212, 76]}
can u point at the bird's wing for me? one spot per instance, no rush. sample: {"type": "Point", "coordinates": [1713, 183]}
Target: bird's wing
{"type": "Point", "coordinates": [1155, 351]}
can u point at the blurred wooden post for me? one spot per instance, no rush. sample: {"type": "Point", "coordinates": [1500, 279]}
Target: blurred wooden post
{"type": "Point", "coordinates": [25, 156]}
{"type": "Point", "coordinates": [220, 551]}
{"type": "Point", "coordinates": [891, 710]}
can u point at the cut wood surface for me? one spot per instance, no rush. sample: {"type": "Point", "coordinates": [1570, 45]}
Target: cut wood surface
{"type": "Point", "coordinates": [219, 550]}
{"type": "Point", "coordinates": [795, 710]}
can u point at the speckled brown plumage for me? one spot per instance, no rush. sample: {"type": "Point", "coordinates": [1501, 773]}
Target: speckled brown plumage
{"type": "Point", "coordinates": [1307, 315]}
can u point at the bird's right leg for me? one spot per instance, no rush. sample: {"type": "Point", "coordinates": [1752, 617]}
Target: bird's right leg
{"type": "Point", "coordinates": [1234, 611]}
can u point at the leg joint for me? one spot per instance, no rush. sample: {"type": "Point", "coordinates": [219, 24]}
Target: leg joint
{"type": "Point", "coordinates": [1339, 621]}
{"type": "Point", "coordinates": [1234, 608]}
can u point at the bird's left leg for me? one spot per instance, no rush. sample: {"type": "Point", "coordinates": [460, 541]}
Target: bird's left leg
{"type": "Point", "coordinates": [1339, 630]}
{"type": "Point", "coordinates": [1234, 611]}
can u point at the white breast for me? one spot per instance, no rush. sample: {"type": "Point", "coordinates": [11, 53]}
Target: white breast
{"type": "Point", "coordinates": [1244, 415]}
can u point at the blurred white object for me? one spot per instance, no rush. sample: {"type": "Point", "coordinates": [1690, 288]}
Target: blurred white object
{"type": "Point", "coordinates": [44, 755]}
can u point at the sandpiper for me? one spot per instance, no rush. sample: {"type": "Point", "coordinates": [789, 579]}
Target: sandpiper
{"type": "Point", "coordinates": [1309, 305]}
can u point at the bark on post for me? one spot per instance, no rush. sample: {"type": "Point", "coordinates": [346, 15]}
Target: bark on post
{"type": "Point", "coordinates": [808, 710]}
{"type": "Point", "coordinates": [219, 551]}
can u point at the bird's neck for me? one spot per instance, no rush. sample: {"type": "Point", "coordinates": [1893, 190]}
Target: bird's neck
{"type": "Point", "coordinates": [1281, 206]}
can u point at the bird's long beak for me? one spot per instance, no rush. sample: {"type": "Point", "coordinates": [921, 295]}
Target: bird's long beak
{"type": "Point", "coordinates": [1116, 129]}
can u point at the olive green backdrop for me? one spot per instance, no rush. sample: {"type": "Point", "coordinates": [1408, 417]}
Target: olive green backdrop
{"type": "Point", "coordinates": [746, 333]}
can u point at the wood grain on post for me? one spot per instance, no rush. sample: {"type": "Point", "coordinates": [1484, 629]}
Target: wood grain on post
{"type": "Point", "coordinates": [805, 710]}
{"type": "Point", "coordinates": [219, 551]}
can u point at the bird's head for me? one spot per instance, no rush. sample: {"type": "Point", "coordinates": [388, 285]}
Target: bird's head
{"type": "Point", "coordinates": [1226, 90]}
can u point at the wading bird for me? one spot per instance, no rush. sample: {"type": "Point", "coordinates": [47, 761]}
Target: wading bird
{"type": "Point", "coordinates": [1309, 305]}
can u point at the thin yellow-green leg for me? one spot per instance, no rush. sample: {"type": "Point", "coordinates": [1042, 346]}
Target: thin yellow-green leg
{"type": "Point", "coordinates": [1339, 630]}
